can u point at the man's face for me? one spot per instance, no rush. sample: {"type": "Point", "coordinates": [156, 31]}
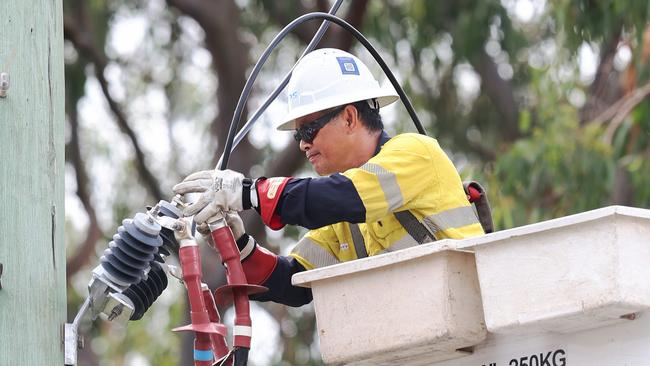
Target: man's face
{"type": "Point", "coordinates": [328, 152]}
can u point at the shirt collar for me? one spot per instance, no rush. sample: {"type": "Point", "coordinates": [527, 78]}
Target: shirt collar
{"type": "Point", "coordinates": [383, 138]}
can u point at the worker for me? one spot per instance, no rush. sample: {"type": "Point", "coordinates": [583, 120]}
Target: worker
{"type": "Point", "coordinates": [375, 193]}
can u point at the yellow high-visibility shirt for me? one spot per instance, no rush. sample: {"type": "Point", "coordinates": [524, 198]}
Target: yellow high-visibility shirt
{"type": "Point", "coordinates": [410, 172]}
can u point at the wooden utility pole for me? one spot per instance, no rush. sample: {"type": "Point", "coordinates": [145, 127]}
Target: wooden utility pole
{"type": "Point", "coordinates": [32, 252]}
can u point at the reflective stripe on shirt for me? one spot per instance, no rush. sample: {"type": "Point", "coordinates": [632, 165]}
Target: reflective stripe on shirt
{"type": "Point", "coordinates": [453, 218]}
{"type": "Point", "coordinates": [358, 241]}
{"type": "Point", "coordinates": [404, 242]}
{"type": "Point", "coordinates": [314, 253]}
{"type": "Point", "coordinates": [388, 183]}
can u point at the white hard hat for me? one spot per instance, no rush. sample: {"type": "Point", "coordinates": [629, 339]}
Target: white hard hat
{"type": "Point", "coordinates": [327, 78]}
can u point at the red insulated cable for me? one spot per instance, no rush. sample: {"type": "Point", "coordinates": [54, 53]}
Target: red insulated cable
{"type": "Point", "coordinates": [227, 247]}
{"type": "Point", "coordinates": [243, 322]}
{"type": "Point", "coordinates": [219, 345]}
{"type": "Point", "coordinates": [190, 261]}
{"type": "Point", "coordinates": [191, 265]}
{"type": "Point", "coordinates": [202, 350]}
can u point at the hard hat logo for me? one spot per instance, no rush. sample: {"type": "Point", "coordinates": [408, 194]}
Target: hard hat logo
{"type": "Point", "coordinates": [328, 78]}
{"type": "Point", "coordinates": [348, 66]}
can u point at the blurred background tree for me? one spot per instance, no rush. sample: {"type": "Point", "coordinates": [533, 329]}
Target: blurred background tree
{"type": "Point", "coordinates": [544, 102]}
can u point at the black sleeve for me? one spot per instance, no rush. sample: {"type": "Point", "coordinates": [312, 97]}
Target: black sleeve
{"type": "Point", "coordinates": [316, 202]}
{"type": "Point", "coordinates": [279, 284]}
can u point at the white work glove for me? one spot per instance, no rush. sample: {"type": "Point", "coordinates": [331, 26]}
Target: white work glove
{"type": "Point", "coordinates": [245, 243]}
{"type": "Point", "coordinates": [236, 224]}
{"type": "Point", "coordinates": [221, 190]}
{"type": "Point", "coordinates": [232, 219]}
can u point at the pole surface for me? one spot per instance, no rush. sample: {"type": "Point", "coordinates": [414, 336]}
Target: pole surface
{"type": "Point", "coordinates": [32, 251]}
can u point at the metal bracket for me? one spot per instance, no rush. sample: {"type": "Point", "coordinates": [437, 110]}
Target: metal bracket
{"type": "Point", "coordinates": [170, 223]}
{"type": "Point", "coordinates": [72, 342]}
{"type": "Point", "coordinates": [175, 271]}
{"type": "Point", "coordinates": [4, 84]}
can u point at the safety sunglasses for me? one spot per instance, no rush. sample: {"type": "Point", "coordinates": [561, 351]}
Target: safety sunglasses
{"type": "Point", "coordinates": [308, 131]}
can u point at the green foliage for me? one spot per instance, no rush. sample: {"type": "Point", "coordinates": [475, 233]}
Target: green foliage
{"type": "Point", "coordinates": [601, 21]}
{"type": "Point", "coordinates": [430, 39]}
{"type": "Point", "coordinates": [631, 145]}
{"type": "Point", "coordinates": [559, 170]}
{"type": "Point", "coordinates": [639, 169]}
{"type": "Point", "coordinates": [596, 20]}
{"type": "Point", "coordinates": [462, 19]}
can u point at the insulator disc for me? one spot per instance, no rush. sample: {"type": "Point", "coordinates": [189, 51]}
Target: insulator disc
{"type": "Point", "coordinates": [124, 268]}
{"type": "Point", "coordinates": [127, 259]}
{"type": "Point", "coordinates": [133, 253]}
{"type": "Point", "coordinates": [154, 241]}
{"type": "Point", "coordinates": [146, 292]}
{"type": "Point", "coordinates": [135, 243]}
{"type": "Point", "coordinates": [123, 278]}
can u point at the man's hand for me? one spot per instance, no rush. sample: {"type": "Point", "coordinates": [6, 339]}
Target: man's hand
{"type": "Point", "coordinates": [245, 243]}
{"type": "Point", "coordinates": [227, 190]}
{"type": "Point", "coordinates": [236, 224]}
{"type": "Point", "coordinates": [232, 219]}
{"type": "Point", "coordinates": [221, 190]}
